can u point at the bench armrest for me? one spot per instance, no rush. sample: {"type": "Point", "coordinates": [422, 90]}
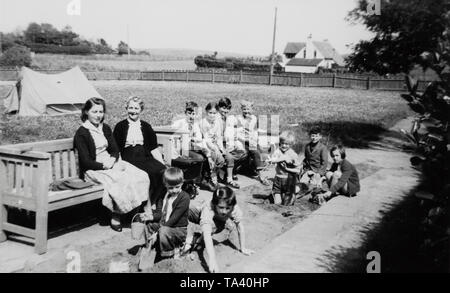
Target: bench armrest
{"type": "Point", "coordinates": [24, 172]}
{"type": "Point", "coordinates": [25, 154]}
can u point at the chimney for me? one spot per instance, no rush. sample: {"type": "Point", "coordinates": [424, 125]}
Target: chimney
{"type": "Point", "coordinates": [309, 47]}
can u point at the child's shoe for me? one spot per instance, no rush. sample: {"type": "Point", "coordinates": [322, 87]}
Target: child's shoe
{"type": "Point", "coordinates": [214, 180]}
{"type": "Point", "coordinates": [289, 199]}
{"type": "Point", "coordinates": [233, 184]}
{"type": "Point", "coordinates": [206, 184]}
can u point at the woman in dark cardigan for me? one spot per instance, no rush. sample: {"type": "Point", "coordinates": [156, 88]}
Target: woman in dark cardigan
{"type": "Point", "coordinates": [126, 186]}
{"type": "Point", "coordinates": [138, 145]}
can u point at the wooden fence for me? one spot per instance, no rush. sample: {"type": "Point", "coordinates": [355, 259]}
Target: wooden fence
{"type": "Point", "coordinates": [283, 79]}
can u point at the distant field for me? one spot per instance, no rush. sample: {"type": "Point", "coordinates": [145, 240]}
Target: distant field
{"type": "Point", "coordinates": [112, 62]}
{"type": "Point", "coordinates": [352, 117]}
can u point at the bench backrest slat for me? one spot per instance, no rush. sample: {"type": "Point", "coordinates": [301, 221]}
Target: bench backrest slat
{"type": "Point", "coordinates": [65, 163]}
{"type": "Point", "coordinates": [28, 179]}
{"type": "Point", "coordinates": [52, 169]}
{"type": "Point", "coordinates": [10, 173]}
{"type": "Point", "coordinates": [56, 165]}
{"type": "Point", "coordinates": [18, 176]}
{"type": "Point", "coordinates": [73, 163]}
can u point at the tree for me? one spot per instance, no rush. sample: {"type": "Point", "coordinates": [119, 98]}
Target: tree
{"type": "Point", "coordinates": [102, 47]}
{"type": "Point", "coordinates": [103, 42]}
{"type": "Point", "coordinates": [51, 34]}
{"type": "Point", "coordinates": [276, 58]}
{"type": "Point", "coordinates": [122, 48]}
{"type": "Point", "coordinates": [403, 30]}
{"type": "Point", "coordinates": [68, 36]}
{"type": "Point", "coordinates": [10, 40]}
{"type": "Point", "coordinates": [431, 135]}
{"type": "Point", "coordinates": [34, 34]}
{"type": "Point", "coordinates": [16, 56]}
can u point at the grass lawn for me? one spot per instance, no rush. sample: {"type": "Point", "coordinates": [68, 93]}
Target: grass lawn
{"type": "Point", "coordinates": [353, 117]}
{"type": "Point", "coordinates": [113, 63]}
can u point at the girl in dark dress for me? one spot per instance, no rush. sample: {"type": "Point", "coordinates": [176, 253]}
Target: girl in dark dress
{"type": "Point", "coordinates": [138, 145]}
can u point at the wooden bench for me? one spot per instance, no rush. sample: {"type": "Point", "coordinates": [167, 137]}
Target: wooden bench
{"type": "Point", "coordinates": [28, 169]}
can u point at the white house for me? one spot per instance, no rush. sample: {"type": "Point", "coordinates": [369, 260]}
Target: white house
{"type": "Point", "coordinates": [308, 57]}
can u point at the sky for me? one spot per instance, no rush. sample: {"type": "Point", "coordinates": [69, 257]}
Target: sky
{"type": "Point", "coordinates": [239, 26]}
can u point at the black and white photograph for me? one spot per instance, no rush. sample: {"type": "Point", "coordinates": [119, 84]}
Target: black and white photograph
{"type": "Point", "coordinates": [234, 137]}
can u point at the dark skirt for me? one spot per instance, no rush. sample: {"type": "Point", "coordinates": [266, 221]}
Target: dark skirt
{"type": "Point", "coordinates": [138, 157]}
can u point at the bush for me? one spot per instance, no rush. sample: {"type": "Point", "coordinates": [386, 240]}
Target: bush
{"type": "Point", "coordinates": [82, 49]}
{"type": "Point", "coordinates": [430, 133]}
{"type": "Point", "coordinates": [16, 56]}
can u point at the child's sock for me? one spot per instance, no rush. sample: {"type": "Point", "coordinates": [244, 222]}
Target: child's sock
{"type": "Point", "coordinates": [277, 198]}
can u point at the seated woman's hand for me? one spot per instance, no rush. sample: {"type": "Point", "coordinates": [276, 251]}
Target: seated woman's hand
{"type": "Point", "coordinates": [108, 164]}
{"type": "Point", "coordinates": [119, 166]}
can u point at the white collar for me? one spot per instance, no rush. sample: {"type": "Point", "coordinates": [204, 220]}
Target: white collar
{"type": "Point", "coordinates": [169, 196]}
{"type": "Point", "coordinates": [212, 123]}
{"type": "Point", "coordinates": [131, 122]}
{"type": "Point", "coordinates": [88, 125]}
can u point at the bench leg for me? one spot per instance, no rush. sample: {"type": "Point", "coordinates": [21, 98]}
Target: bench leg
{"type": "Point", "coordinates": [41, 232]}
{"type": "Point", "coordinates": [3, 219]}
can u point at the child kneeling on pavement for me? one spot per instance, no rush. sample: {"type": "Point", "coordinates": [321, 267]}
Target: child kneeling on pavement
{"type": "Point", "coordinates": [342, 177]}
{"type": "Point", "coordinates": [214, 217]}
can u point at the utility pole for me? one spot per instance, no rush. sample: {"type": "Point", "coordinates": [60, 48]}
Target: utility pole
{"type": "Point", "coordinates": [273, 48]}
{"type": "Point", "coordinates": [128, 41]}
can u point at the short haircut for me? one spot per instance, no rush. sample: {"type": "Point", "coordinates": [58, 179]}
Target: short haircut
{"type": "Point", "coordinates": [246, 104]}
{"type": "Point", "coordinates": [340, 148]}
{"type": "Point", "coordinates": [135, 99]}
{"type": "Point", "coordinates": [315, 130]}
{"type": "Point", "coordinates": [191, 107]}
{"type": "Point", "coordinates": [287, 136]}
{"type": "Point", "coordinates": [224, 194]}
{"type": "Point", "coordinates": [211, 105]}
{"type": "Point", "coordinates": [225, 103]}
{"type": "Point", "coordinates": [89, 104]}
{"type": "Point", "coordinates": [173, 176]}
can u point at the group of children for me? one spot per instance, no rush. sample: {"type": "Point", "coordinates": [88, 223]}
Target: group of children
{"type": "Point", "coordinates": [220, 141]}
{"type": "Point", "coordinates": [295, 179]}
{"type": "Point", "coordinates": [169, 228]}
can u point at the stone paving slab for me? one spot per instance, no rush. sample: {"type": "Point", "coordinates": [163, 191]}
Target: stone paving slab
{"type": "Point", "coordinates": [339, 224]}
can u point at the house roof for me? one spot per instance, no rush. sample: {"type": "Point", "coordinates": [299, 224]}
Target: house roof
{"type": "Point", "coordinates": [327, 50]}
{"type": "Point", "coordinates": [293, 48]}
{"type": "Point", "coordinates": [304, 62]}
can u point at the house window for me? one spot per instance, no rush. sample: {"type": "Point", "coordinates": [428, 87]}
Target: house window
{"type": "Point", "coordinates": [304, 54]}
{"type": "Point", "coordinates": [315, 54]}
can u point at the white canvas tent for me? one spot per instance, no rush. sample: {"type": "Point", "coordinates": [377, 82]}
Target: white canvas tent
{"type": "Point", "coordinates": [51, 94]}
